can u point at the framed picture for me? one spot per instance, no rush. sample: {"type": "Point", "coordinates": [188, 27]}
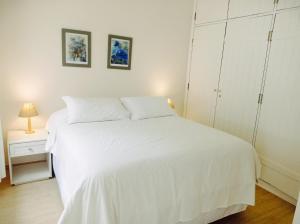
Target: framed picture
{"type": "Point", "coordinates": [119, 52]}
{"type": "Point", "coordinates": [76, 48]}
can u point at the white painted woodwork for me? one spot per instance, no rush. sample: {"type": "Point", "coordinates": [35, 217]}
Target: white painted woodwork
{"type": "Point", "coordinates": [239, 8]}
{"type": "Point", "coordinates": [280, 177]}
{"type": "Point", "coordinates": [212, 10]}
{"type": "Point", "coordinates": [268, 187]}
{"type": "Point", "coordinates": [297, 212]}
{"type": "Point", "coordinates": [30, 172]}
{"type": "Point", "coordinates": [18, 136]}
{"type": "Point", "coordinates": [282, 4]}
{"type": "Point", "coordinates": [242, 71]}
{"type": "Point", "coordinates": [246, 51]}
{"type": "Point", "coordinates": [204, 73]}
{"type": "Point", "coordinates": [29, 148]}
{"type": "Point", "coordinates": [2, 160]}
{"type": "Point", "coordinates": [279, 124]}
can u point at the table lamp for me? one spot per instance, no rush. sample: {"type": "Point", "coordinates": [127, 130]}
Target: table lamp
{"type": "Point", "coordinates": [28, 110]}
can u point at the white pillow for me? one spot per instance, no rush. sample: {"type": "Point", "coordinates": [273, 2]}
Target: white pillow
{"type": "Point", "coordinates": [147, 107]}
{"type": "Point", "coordinates": [94, 109]}
{"type": "Point", "coordinates": [56, 119]}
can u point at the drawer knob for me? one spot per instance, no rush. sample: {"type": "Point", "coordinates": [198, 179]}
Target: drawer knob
{"type": "Point", "coordinates": [30, 149]}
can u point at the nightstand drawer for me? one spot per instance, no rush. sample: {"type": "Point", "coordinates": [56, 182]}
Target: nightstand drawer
{"type": "Point", "coordinates": [24, 149]}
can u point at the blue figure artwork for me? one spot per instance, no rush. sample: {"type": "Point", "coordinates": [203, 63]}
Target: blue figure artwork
{"type": "Point", "coordinates": [119, 52]}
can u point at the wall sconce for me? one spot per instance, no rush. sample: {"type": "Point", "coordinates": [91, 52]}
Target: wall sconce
{"type": "Point", "coordinates": [171, 104]}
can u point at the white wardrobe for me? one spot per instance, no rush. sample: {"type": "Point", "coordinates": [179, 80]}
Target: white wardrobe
{"type": "Point", "coordinates": [2, 161]}
{"type": "Point", "coordinates": [244, 78]}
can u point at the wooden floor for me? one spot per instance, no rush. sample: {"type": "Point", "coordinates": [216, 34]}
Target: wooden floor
{"type": "Point", "coordinates": [39, 203]}
{"type": "Point", "coordinates": [33, 203]}
{"type": "Point", "coordinates": [269, 209]}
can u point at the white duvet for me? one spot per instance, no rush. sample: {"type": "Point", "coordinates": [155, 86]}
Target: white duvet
{"type": "Point", "coordinates": [153, 171]}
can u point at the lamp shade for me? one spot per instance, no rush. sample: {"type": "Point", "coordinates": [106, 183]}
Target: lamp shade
{"type": "Point", "coordinates": [28, 110]}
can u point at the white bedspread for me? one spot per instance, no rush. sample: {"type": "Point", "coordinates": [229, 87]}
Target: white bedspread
{"type": "Point", "coordinates": [153, 171]}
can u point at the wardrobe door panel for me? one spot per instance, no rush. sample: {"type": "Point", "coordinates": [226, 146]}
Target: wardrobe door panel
{"type": "Point", "coordinates": [282, 4]}
{"type": "Point", "coordinates": [204, 74]}
{"type": "Point", "coordinates": [2, 161]}
{"type": "Point", "coordinates": [211, 10]}
{"type": "Point", "coordinates": [242, 71]}
{"type": "Point", "coordinates": [239, 8]}
{"type": "Point", "coordinates": [279, 124]}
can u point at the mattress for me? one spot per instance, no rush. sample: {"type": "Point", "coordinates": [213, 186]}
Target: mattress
{"type": "Point", "coordinates": [163, 170]}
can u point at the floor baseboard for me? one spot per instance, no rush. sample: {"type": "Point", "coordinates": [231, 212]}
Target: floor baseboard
{"type": "Point", "coordinates": [277, 192]}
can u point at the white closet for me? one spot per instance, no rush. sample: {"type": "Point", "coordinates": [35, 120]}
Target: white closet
{"type": "Point", "coordinates": [245, 50]}
{"type": "Point", "coordinates": [288, 4]}
{"type": "Point", "coordinates": [240, 8]}
{"type": "Point", "coordinates": [2, 162]}
{"type": "Point", "coordinates": [244, 79]}
{"type": "Point", "coordinates": [212, 10]}
{"type": "Point", "coordinates": [204, 74]}
{"type": "Point", "coordinates": [279, 125]}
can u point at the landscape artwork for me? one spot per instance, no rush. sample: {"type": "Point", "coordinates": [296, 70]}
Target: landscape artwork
{"type": "Point", "coordinates": [76, 48]}
{"type": "Point", "coordinates": [119, 52]}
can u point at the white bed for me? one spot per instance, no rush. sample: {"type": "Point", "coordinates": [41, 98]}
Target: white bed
{"type": "Point", "coordinates": [164, 170]}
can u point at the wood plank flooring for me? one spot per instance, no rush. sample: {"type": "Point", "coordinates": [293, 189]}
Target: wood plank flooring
{"type": "Point", "coordinates": [269, 209]}
{"type": "Point", "coordinates": [39, 203]}
{"type": "Point", "coordinates": [32, 203]}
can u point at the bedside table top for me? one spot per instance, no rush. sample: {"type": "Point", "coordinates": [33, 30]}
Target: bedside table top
{"type": "Point", "coordinates": [19, 136]}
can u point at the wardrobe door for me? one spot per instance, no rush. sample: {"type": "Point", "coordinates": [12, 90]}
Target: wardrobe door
{"type": "Point", "coordinates": [239, 8]}
{"type": "Point", "coordinates": [211, 10]}
{"type": "Point", "coordinates": [241, 76]}
{"type": "Point", "coordinates": [2, 161]}
{"type": "Point", "coordinates": [204, 73]}
{"type": "Point", "coordinates": [279, 125]}
{"type": "Point", "coordinates": [288, 4]}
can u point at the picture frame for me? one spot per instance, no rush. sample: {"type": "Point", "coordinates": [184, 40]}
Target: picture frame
{"type": "Point", "coordinates": [119, 52]}
{"type": "Point", "coordinates": [76, 48]}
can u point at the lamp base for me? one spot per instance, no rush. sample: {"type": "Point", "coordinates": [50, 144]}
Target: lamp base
{"type": "Point", "coordinates": [29, 129]}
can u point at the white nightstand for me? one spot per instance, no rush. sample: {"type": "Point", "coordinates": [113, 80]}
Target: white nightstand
{"type": "Point", "coordinates": [28, 160]}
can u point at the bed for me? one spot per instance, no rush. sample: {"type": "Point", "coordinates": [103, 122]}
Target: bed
{"type": "Point", "coordinates": [164, 170]}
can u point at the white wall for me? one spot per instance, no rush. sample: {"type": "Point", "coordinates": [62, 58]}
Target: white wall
{"type": "Point", "coordinates": [30, 52]}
